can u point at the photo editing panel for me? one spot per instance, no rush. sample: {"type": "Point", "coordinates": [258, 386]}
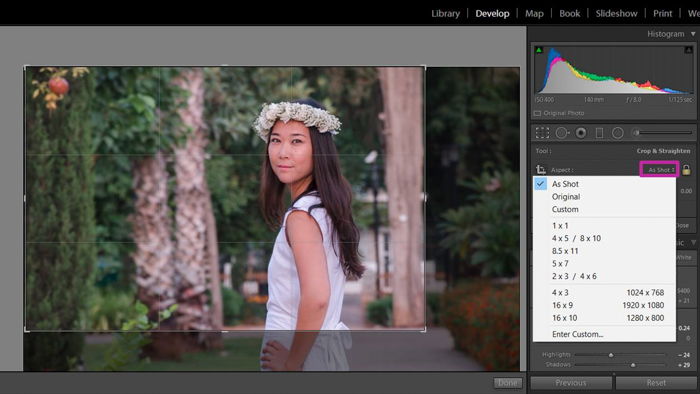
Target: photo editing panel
{"type": "Point", "coordinates": [612, 145]}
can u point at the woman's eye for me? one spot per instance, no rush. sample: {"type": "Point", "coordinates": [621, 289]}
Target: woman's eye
{"type": "Point", "coordinates": [275, 140]}
{"type": "Point", "coordinates": [297, 140]}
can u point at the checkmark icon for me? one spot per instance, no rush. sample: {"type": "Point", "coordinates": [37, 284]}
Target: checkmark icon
{"type": "Point", "coordinates": [540, 183]}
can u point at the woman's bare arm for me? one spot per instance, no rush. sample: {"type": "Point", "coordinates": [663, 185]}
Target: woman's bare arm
{"type": "Point", "coordinates": [306, 241]}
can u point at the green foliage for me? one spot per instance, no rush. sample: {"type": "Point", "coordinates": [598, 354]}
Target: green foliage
{"type": "Point", "coordinates": [125, 350]}
{"type": "Point", "coordinates": [380, 311]}
{"type": "Point", "coordinates": [111, 275]}
{"type": "Point", "coordinates": [126, 347]}
{"type": "Point", "coordinates": [238, 272]}
{"type": "Point", "coordinates": [113, 194]}
{"type": "Point", "coordinates": [109, 310]}
{"type": "Point", "coordinates": [52, 351]}
{"type": "Point", "coordinates": [136, 110]}
{"type": "Point", "coordinates": [234, 183]}
{"type": "Point", "coordinates": [434, 302]}
{"type": "Point", "coordinates": [233, 306]}
{"type": "Point", "coordinates": [239, 354]}
{"type": "Point", "coordinates": [254, 312]}
{"type": "Point", "coordinates": [475, 109]}
{"type": "Point", "coordinates": [486, 232]}
{"type": "Point", "coordinates": [59, 221]}
{"type": "Point", "coordinates": [363, 214]}
{"type": "Point", "coordinates": [472, 124]}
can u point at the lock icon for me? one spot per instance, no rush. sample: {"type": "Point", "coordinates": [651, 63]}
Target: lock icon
{"type": "Point", "coordinates": [686, 170]}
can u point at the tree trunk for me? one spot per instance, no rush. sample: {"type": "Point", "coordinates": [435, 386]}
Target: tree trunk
{"type": "Point", "coordinates": [155, 272]}
{"type": "Point", "coordinates": [151, 226]}
{"type": "Point", "coordinates": [193, 268]}
{"type": "Point", "coordinates": [213, 263]}
{"type": "Point", "coordinates": [402, 92]}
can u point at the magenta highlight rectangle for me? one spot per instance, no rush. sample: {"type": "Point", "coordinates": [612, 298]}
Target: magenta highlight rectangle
{"type": "Point", "coordinates": [646, 162]}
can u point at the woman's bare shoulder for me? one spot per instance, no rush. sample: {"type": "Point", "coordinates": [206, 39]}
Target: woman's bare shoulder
{"type": "Point", "coordinates": [302, 227]}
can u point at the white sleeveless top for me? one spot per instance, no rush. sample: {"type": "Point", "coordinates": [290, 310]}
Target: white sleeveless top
{"type": "Point", "coordinates": [284, 294]}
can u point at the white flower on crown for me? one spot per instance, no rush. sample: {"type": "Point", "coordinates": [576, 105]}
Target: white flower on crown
{"type": "Point", "coordinates": [286, 111]}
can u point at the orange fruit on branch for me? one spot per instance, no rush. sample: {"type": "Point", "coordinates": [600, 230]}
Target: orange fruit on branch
{"type": "Point", "coordinates": [58, 85]}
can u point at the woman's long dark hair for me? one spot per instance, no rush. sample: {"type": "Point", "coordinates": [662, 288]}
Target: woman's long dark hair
{"type": "Point", "coordinates": [333, 189]}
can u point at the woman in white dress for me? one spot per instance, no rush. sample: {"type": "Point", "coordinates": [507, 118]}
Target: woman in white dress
{"type": "Point", "coordinates": [316, 248]}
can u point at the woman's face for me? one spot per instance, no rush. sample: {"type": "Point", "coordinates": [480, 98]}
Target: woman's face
{"type": "Point", "coordinates": [290, 151]}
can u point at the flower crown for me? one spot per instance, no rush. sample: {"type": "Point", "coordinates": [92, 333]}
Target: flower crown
{"type": "Point", "coordinates": [286, 111]}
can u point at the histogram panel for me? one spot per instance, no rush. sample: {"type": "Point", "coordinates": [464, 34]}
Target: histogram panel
{"type": "Point", "coordinates": [614, 70]}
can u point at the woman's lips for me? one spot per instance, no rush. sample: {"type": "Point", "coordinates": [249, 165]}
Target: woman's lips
{"type": "Point", "coordinates": [284, 167]}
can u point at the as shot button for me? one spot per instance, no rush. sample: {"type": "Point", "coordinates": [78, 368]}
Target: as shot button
{"type": "Point", "coordinates": [659, 168]}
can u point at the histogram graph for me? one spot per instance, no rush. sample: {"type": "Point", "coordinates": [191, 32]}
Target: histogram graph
{"type": "Point", "coordinates": [614, 70]}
